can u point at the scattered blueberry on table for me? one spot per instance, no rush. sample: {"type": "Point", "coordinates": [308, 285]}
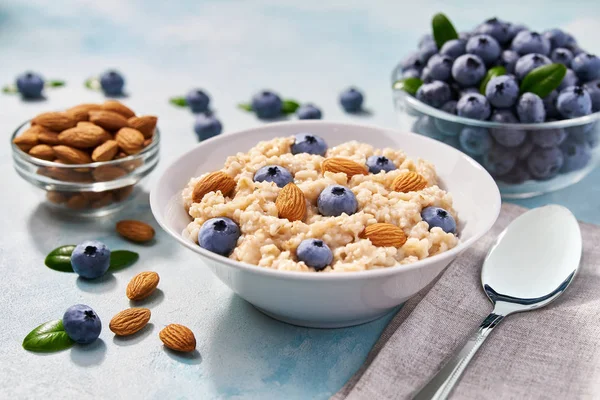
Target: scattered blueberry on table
{"type": "Point", "coordinates": [352, 99]}
{"type": "Point", "coordinates": [30, 85]}
{"type": "Point", "coordinates": [267, 105]}
{"type": "Point", "coordinates": [314, 253]}
{"type": "Point", "coordinates": [219, 235]}
{"type": "Point", "coordinates": [197, 100]}
{"type": "Point", "coordinates": [274, 173]}
{"type": "Point", "coordinates": [207, 126]}
{"type": "Point", "coordinates": [112, 83]}
{"type": "Point", "coordinates": [308, 111]}
{"type": "Point", "coordinates": [82, 324]}
{"type": "Point", "coordinates": [90, 259]}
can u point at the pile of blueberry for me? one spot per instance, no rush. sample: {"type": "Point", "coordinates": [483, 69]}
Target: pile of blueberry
{"type": "Point", "coordinates": [206, 124]}
{"type": "Point", "coordinates": [457, 78]}
{"type": "Point", "coordinates": [220, 235]}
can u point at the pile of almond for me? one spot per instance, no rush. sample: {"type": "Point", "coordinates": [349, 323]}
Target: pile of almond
{"type": "Point", "coordinates": [84, 134]}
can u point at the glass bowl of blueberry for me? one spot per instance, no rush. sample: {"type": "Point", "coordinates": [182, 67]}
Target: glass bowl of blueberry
{"type": "Point", "coordinates": [525, 105]}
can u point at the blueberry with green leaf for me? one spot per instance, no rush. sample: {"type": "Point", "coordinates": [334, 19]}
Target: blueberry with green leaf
{"type": "Point", "coordinates": [59, 259]}
{"type": "Point", "coordinates": [197, 100]}
{"type": "Point", "coordinates": [30, 85]}
{"type": "Point", "coordinates": [82, 324]}
{"type": "Point", "coordinates": [90, 259]}
{"type": "Point", "coordinates": [112, 83]}
{"type": "Point", "coordinates": [443, 30]}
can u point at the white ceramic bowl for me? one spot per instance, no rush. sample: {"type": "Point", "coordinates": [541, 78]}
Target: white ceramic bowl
{"type": "Point", "coordinates": [328, 300]}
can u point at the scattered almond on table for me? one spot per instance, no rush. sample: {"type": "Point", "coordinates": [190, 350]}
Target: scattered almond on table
{"type": "Point", "coordinates": [136, 231]}
{"type": "Point", "coordinates": [178, 337]}
{"type": "Point", "coordinates": [142, 285]}
{"type": "Point", "coordinates": [130, 321]}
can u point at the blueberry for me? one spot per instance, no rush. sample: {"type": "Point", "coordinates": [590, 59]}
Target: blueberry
{"type": "Point", "coordinates": [530, 108]}
{"type": "Point", "coordinates": [484, 46]}
{"type": "Point", "coordinates": [475, 141]}
{"type": "Point", "coordinates": [450, 107]}
{"type": "Point", "coordinates": [266, 105]}
{"type": "Point", "coordinates": [448, 127]}
{"type": "Point", "coordinates": [351, 100]}
{"type": "Point", "coordinates": [197, 100]}
{"type": "Point", "coordinates": [507, 137]}
{"type": "Point", "coordinates": [440, 218]}
{"type": "Point", "coordinates": [464, 36]}
{"type": "Point", "coordinates": [502, 91]}
{"type": "Point", "coordinates": [30, 85]}
{"type": "Point", "coordinates": [526, 42]}
{"type": "Point", "coordinates": [528, 63]}
{"type": "Point", "coordinates": [473, 106]}
{"type": "Point", "coordinates": [586, 66]}
{"type": "Point", "coordinates": [426, 39]}
{"type": "Point", "coordinates": [412, 61]}
{"type": "Point", "coordinates": [376, 164]}
{"type": "Point", "coordinates": [519, 174]}
{"type": "Point", "coordinates": [545, 163]}
{"type": "Point", "coordinates": [513, 29]}
{"type": "Point", "coordinates": [219, 235]}
{"type": "Point", "coordinates": [573, 102]}
{"type": "Point", "coordinates": [440, 67]}
{"type": "Point", "coordinates": [426, 51]}
{"type": "Point", "coordinates": [308, 111]}
{"type": "Point", "coordinates": [524, 150]}
{"type": "Point", "coordinates": [314, 253]}
{"type": "Point", "coordinates": [90, 259]}
{"type": "Point", "coordinates": [426, 75]}
{"type": "Point", "coordinates": [452, 141]}
{"type": "Point", "coordinates": [274, 173]}
{"type": "Point", "coordinates": [335, 200]}
{"type": "Point", "coordinates": [547, 138]}
{"type": "Point", "coordinates": [468, 70]}
{"type": "Point", "coordinates": [499, 160]}
{"type": "Point", "coordinates": [580, 133]}
{"type": "Point", "coordinates": [410, 73]}
{"type": "Point", "coordinates": [575, 155]}
{"type": "Point", "coordinates": [82, 324]}
{"type": "Point", "coordinates": [454, 48]}
{"type": "Point", "coordinates": [497, 29]}
{"type": "Point", "coordinates": [593, 89]}
{"type": "Point", "coordinates": [562, 56]}
{"type": "Point", "coordinates": [570, 79]}
{"type": "Point", "coordinates": [557, 38]}
{"type": "Point", "coordinates": [435, 94]}
{"type": "Point", "coordinates": [508, 59]}
{"type": "Point", "coordinates": [207, 126]}
{"type": "Point", "coordinates": [309, 143]}
{"type": "Point", "coordinates": [576, 50]}
{"type": "Point", "coordinates": [112, 83]}
{"type": "Point", "coordinates": [550, 104]}
{"type": "Point", "coordinates": [425, 125]}
{"type": "Point", "coordinates": [469, 90]}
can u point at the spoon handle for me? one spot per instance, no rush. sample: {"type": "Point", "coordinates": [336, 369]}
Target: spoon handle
{"type": "Point", "coordinates": [441, 385]}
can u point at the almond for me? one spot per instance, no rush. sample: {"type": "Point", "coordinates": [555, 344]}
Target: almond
{"type": "Point", "coordinates": [349, 167]}
{"type": "Point", "coordinates": [103, 201]}
{"type": "Point", "coordinates": [55, 121]}
{"type": "Point", "coordinates": [93, 196]}
{"type": "Point", "coordinates": [121, 155]}
{"type": "Point", "coordinates": [105, 134]}
{"type": "Point", "coordinates": [384, 235]}
{"type": "Point", "coordinates": [147, 142]}
{"type": "Point", "coordinates": [409, 181]}
{"type": "Point", "coordinates": [129, 321]}
{"type": "Point", "coordinates": [106, 151]}
{"type": "Point", "coordinates": [26, 140]}
{"type": "Point", "coordinates": [48, 137]}
{"type": "Point", "coordinates": [145, 124]}
{"type": "Point", "coordinates": [56, 197]}
{"type": "Point", "coordinates": [142, 285]}
{"type": "Point", "coordinates": [211, 183]}
{"type": "Point", "coordinates": [122, 193]}
{"type": "Point", "coordinates": [108, 120]}
{"type": "Point", "coordinates": [118, 107]}
{"type": "Point", "coordinates": [291, 203]}
{"type": "Point", "coordinates": [69, 155]}
{"type": "Point", "coordinates": [136, 231]}
{"type": "Point", "coordinates": [66, 175]}
{"type": "Point", "coordinates": [105, 173]}
{"type": "Point", "coordinates": [178, 337]}
{"type": "Point", "coordinates": [130, 140]}
{"type": "Point", "coordinates": [81, 111]}
{"type": "Point", "coordinates": [77, 202]}
{"type": "Point", "coordinates": [83, 136]}
{"type": "Point", "coordinates": [42, 151]}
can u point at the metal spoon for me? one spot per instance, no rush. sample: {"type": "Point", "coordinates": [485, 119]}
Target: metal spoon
{"type": "Point", "coordinates": [531, 263]}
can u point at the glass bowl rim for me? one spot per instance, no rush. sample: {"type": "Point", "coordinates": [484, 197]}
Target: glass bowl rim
{"type": "Point", "coordinates": [434, 112]}
{"type": "Point", "coordinates": [150, 149]}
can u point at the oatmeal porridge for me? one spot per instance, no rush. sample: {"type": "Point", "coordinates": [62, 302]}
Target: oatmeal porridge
{"type": "Point", "coordinates": [293, 204]}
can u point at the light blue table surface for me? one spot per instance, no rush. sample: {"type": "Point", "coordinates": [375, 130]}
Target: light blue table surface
{"type": "Point", "coordinates": [308, 50]}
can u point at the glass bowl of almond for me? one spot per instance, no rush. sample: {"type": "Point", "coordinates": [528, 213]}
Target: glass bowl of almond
{"type": "Point", "coordinates": [89, 158]}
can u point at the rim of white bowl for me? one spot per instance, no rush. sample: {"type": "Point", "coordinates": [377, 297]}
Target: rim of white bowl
{"type": "Point", "coordinates": [311, 276]}
{"type": "Point", "coordinates": [434, 112]}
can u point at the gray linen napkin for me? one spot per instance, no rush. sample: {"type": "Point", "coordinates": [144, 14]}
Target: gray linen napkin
{"type": "Point", "coordinates": [552, 353]}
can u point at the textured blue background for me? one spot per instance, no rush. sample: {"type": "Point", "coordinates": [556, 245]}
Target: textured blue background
{"type": "Point", "coordinates": [308, 50]}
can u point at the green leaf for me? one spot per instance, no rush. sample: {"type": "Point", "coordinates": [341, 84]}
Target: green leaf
{"type": "Point", "coordinates": [443, 30]}
{"type": "Point", "coordinates": [492, 73]}
{"type": "Point", "coordinates": [543, 80]}
{"type": "Point", "coordinates": [178, 101]}
{"type": "Point", "coordinates": [92, 83]}
{"type": "Point", "coordinates": [409, 85]}
{"type": "Point", "coordinates": [245, 107]}
{"type": "Point", "coordinates": [289, 107]}
{"type": "Point", "coordinates": [120, 259]}
{"type": "Point", "coordinates": [10, 89]}
{"type": "Point", "coordinates": [49, 336]}
{"type": "Point", "coordinates": [59, 259]}
{"type": "Point", "coordinates": [55, 83]}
